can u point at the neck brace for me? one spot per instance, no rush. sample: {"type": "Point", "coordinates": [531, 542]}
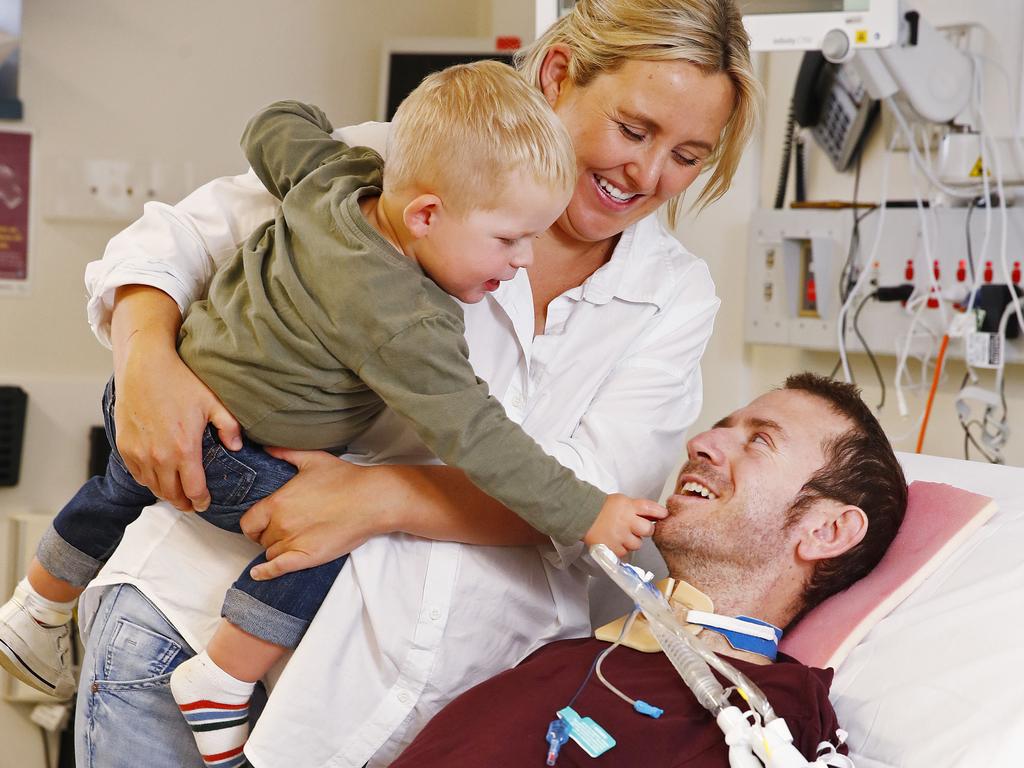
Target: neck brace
{"type": "Point", "coordinates": [742, 632]}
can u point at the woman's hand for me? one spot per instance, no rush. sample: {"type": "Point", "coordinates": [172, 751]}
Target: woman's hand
{"type": "Point", "coordinates": [325, 511]}
{"type": "Point", "coordinates": [161, 408]}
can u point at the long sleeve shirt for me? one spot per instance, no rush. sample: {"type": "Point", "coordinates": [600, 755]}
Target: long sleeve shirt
{"type": "Point", "coordinates": [318, 322]}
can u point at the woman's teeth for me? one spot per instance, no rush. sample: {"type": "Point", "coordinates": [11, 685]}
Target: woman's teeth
{"type": "Point", "coordinates": [614, 192]}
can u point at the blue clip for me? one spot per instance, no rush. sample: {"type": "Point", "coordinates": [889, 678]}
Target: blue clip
{"type": "Point", "coordinates": [648, 709]}
{"type": "Point", "coordinates": [558, 734]}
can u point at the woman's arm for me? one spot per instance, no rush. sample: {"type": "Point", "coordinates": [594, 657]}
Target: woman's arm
{"type": "Point", "coordinates": [628, 438]}
{"type": "Point", "coordinates": [333, 506]}
{"type": "Point", "coordinates": [161, 408]}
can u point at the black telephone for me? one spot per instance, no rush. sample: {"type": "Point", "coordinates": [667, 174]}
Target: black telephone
{"type": "Point", "coordinates": [831, 100]}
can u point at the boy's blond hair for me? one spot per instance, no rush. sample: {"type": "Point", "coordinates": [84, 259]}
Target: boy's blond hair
{"type": "Point", "coordinates": [604, 34]}
{"type": "Point", "coordinates": [467, 130]}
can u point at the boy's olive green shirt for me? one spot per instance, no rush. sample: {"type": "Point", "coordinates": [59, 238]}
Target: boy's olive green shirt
{"type": "Point", "coordinates": [318, 323]}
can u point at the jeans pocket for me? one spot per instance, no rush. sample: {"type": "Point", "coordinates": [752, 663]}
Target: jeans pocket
{"type": "Point", "coordinates": [227, 478]}
{"type": "Point", "coordinates": [138, 657]}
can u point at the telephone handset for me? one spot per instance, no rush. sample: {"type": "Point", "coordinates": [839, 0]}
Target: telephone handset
{"type": "Point", "coordinates": [831, 100]}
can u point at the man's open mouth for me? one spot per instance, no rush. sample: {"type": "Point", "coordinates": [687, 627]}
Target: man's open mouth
{"type": "Point", "coordinates": [693, 488]}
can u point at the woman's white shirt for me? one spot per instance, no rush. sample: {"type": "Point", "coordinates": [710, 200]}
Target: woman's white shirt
{"type": "Point", "coordinates": [609, 389]}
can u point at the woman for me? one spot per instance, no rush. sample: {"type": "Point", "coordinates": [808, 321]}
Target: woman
{"type": "Point", "coordinates": [597, 353]}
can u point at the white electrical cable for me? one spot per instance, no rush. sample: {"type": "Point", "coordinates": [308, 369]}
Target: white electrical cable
{"type": "Point", "coordinates": [865, 271]}
{"type": "Point", "coordinates": [1003, 243]}
{"type": "Point", "coordinates": [1018, 141]}
{"type": "Point", "coordinates": [933, 288]}
{"type": "Point", "coordinates": [986, 193]}
{"type": "Point", "coordinates": [901, 365]}
{"type": "Point", "coordinates": [932, 178]}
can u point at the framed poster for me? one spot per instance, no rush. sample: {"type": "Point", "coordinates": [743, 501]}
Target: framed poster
{"type": "Point", "coordinates": [15, 179]}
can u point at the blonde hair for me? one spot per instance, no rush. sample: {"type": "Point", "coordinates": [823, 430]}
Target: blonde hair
{"type": "Point", "coordinates": [604, 34]}
{"type": "Point", "coordinates": [465, 131]}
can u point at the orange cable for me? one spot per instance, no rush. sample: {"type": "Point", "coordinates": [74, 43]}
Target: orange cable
{"type": "Point", "coordinates": [931, 394]}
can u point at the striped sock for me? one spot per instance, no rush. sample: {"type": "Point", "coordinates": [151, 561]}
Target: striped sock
{"type": "Point", "coordinates": [216, 707]}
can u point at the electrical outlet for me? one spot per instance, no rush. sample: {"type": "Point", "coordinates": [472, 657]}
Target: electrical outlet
{"type": "Point", "coordinates": [98, 189]}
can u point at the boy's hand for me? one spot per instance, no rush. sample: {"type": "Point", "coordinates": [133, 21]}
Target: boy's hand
{"type": "Point", "coordinates": [623, 523]}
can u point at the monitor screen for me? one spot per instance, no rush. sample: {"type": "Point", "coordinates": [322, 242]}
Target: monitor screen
{"type": "Point", "coordinates": [406, 69]}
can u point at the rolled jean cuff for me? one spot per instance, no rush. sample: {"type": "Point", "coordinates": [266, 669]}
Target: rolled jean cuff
{"type": "Point", "coordinates": [64, 561]}
{"type": "Point", "coordinates": [262, 621]}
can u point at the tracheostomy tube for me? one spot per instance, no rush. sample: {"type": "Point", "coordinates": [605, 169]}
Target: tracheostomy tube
{"type": "Point", "coordinates": [689, 655]}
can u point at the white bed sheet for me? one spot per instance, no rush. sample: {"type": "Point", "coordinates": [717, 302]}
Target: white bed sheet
{"type": "Point", "coordinates": [938, 682]}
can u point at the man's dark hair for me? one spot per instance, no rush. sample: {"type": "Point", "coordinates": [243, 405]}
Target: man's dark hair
{"type": "Point", "coordinates": [860, 469]}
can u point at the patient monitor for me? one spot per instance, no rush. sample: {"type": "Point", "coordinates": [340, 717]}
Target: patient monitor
{"type": "Point", "coordinates": [836, 27]}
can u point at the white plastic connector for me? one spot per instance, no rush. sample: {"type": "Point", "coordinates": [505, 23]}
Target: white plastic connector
{"type": "Point", "coordinates": [777, 747]}
{"type": "Point", "coordinates": [738, 735]}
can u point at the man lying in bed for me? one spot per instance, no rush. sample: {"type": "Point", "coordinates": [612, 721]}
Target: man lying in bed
{"type": "Point", "coordinates": [780, 505]}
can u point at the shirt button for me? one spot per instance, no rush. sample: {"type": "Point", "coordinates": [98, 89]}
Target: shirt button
{"type": "Point", "coordinates": [517, 400]}
{"type": "Point", "coordinates": [435, 613]}
{"type": "Point", "coordinates": [404, 697]}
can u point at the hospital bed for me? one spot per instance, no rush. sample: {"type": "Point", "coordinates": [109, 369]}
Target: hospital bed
{"type": "Point", "coordinates": [937, 682]}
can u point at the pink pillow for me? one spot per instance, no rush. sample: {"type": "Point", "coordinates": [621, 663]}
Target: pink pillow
{"type": "Point", "coordinates": [939, 518]}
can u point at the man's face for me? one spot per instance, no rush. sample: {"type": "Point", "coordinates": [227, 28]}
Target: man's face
{"type": "Point", "coordinates": [751, 464]}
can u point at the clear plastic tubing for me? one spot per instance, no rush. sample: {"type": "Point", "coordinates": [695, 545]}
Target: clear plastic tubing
{"type": "Point", "coordinates": [693, 669]}
{"type": "Point", "coordinates": [688, 653]}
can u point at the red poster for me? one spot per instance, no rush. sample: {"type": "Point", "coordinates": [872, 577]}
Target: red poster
{"type": "Point", "coordinates": [15, 151]}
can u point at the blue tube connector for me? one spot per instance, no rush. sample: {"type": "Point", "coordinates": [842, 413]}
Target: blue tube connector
{"type": "Point", "coordinates": [558, 734]}
{"type": "Point", "coordinates": [648, 709]}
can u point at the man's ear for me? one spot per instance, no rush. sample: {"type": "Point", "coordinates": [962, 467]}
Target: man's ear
{"type": "Point", "coordinates": [830, 529]}
{"type": "Point", "coordinates": [554, 72]}
{"type": "Point", "coordinates": [421, 214]}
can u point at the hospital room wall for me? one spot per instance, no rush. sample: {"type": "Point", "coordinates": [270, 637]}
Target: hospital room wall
{"type": "Point", "coordinates": [148, 82]}
{"type": "Point", "coordinates": [734, 371]}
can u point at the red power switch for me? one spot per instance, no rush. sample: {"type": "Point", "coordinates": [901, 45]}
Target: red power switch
{"type": "Point", "coordinates": [988, 272]}
{"type": "Point", "coordinates": [961, 271]}
{"type": "Point", "coordinates": [1015, 273]}
{"type": "Point", "coordinates": [909, 271]}
{"type": "Point", "coordinates": [812, 293]}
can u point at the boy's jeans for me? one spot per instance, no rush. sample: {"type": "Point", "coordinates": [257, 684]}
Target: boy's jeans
{"type": "Point", "coordinates": [89, 527]}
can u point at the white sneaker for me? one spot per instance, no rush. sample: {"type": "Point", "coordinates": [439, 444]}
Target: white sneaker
{"type": "Point", "coordinates": [38, 656]}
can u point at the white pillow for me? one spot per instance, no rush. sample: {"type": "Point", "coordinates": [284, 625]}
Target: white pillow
{"type": "Point", "coordinates": [939, 681]}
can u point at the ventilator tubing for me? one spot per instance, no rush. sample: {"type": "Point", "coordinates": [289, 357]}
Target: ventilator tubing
{"type": "Point", "coordinates": [680, 646]}
{"type": "Point", "coordinates": [693, 669]}
{"type": "Point", "coordinates": [757, 738]}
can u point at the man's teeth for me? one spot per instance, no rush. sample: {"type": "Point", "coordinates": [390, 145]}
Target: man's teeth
{"type": "Point", "coordinates": [698, 489]}
{"type": "Point", "coordinates": [614, 191]}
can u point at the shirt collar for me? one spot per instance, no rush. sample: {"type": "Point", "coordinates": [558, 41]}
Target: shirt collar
{"type": "Point", "coordinates": [645, 268]}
